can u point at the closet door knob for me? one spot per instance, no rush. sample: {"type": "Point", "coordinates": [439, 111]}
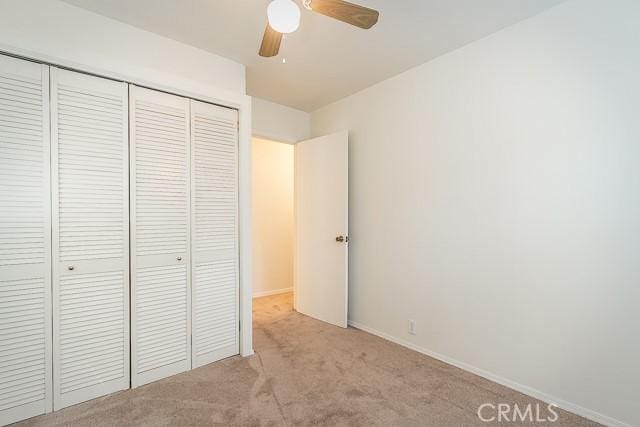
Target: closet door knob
{"type": "Point", "coordinates": [71, 268]}
{"type": "Point", "coordinates": [179, 258]}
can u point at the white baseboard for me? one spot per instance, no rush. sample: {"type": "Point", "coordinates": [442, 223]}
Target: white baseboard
{"type": "Point", "coordinates": [272, 292]}
{"type": "Point", "coordinates": [567, 406]}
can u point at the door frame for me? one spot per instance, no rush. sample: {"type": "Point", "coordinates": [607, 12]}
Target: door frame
{"type": "Point", "coordinates": [212, 95]}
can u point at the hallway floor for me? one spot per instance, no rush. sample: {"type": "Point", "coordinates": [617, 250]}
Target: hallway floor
{"type": "Point", "coordinates": [306, 372]}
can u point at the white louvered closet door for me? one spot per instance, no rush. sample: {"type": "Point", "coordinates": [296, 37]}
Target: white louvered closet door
{"type": "Point", "coordinates": [25, 243]}
{"type": "Point", "coordinates": [214, 199]}
{"type": "Point", "coordinates": [161, 297]}
{"type": "Point", "coordinates": [90, 236]}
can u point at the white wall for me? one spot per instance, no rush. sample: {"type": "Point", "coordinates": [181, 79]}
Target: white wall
{"type": "Point", "coordinates": [273, 224]}
{"type": "Point", "coordinates": [58, 31]}
{"type": "Point", "coordinates": [495, 200]}
{"type": "Point", "coordinates": [279, 123]}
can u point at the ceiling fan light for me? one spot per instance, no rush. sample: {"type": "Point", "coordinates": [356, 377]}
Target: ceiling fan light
{"type": "Point", "coordinates": [284, 16]}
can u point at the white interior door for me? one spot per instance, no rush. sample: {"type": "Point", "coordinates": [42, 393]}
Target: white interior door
{"type": "Point", "coordinates": [160, 242]}
{"type": "Point", "coordinates": [25, 241]}
{"type": "Point", "coordinates": [214, 210]}
{"type": "Point", "coordinates": [90, 236]}
{"type": "Point", "coordinates": [321, 216]}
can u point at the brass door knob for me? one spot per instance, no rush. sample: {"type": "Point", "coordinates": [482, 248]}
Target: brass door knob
{"type": "Point", "coordinates": [340, 239]}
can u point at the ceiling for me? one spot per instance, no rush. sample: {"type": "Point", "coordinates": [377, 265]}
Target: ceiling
{"type": "Point", "coordinates": [326, 60]}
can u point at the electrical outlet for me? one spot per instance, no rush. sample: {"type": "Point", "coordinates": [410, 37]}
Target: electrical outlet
{"type": "Point", "coordinates": [412, 327]}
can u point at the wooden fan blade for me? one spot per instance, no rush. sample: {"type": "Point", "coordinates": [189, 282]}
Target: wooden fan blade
{"type": "Point", "coordinates": [270, 42]}
{"type": "Point", "coordinates": [344, 11]}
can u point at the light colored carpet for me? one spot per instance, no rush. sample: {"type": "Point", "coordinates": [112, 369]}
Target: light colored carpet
{"type": "Point", "coordinates": [306, 372]}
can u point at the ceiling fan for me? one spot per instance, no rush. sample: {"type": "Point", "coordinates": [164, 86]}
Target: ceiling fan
{"type": "Point", "coordinates": [284, 18]}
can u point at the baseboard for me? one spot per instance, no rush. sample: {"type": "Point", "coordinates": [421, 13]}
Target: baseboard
{"type": "Point", "coordinates": [272, 292]}
{"type": "Point", "coordinates": [567, 406]}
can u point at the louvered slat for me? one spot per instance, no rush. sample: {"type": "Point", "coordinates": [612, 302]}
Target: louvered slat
{"type": "Point", "coordinates": [22, 364]}
{"type": "Point", "coordinates": [90, 240]}
{"type": "Point", "coordinates": [160, 239]}
{"type": "Point", "coordinates": [88, 348]}
{"type": "Point", "coordinates": [25, 243]}
{"type": "Point", "coordinates": [214, 166]}
{"type": "Point", "coordinates": [162, 316]}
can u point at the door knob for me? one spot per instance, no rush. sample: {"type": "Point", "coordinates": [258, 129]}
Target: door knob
{"type": "Point", "coordinates": [71, 268]}
{"type": "Point", "coordinates": [341, 239]}
{"type": "Point", "coordinates": [179, 258]}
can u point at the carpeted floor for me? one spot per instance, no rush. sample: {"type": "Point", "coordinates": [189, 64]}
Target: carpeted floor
{"type": "Point", "coordinates": [306, 372]}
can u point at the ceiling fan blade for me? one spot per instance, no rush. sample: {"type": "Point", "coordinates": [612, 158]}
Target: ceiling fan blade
{"type": "Point", "coordinates": [270, 42]}
{"type": "Point", "coordinates": [344, 11]}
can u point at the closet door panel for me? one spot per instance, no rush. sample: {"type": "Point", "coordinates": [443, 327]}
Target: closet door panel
{"type": "Point", "coordinates": [90, 237]}
{"type": "Point", "coordinates": [214, 196]}
{"type": "Point", "coordinates": [25, 243]}
{"type": "Point", "coordinates": [161, 323]}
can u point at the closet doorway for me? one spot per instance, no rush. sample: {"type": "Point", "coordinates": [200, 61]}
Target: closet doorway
{"type": "Point", "coordinates": [300, 226]}
{"type": "Point", "coordinates": [119, 232]}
